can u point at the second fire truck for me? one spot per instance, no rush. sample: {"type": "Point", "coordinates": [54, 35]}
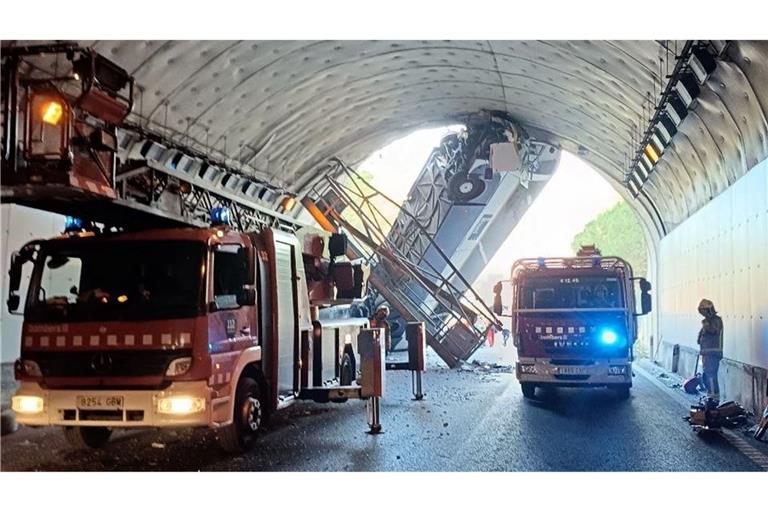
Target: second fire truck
{"type": "Point", "coordinates": [574, 321]}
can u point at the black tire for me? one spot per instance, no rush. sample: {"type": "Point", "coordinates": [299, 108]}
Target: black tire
{"type": "Point", "coordinates": [529, 389]}
{"type": "Point", "coordinates": [87, 437]}
{"type": "Point", "coordinates": [622, 391]}
{"type": "Point", "coordinates": [347, 369]}
{"type": "Point", "coordinates": [463, 188]}
{"type": "Point", "coordinates": [247, 419]}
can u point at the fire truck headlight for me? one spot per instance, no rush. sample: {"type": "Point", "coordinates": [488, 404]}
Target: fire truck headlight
{"type": "Point", "coordinates": [25, 404]}
{"type": "Point", "coordinates": [608, 337]}
{"type": "Point", "coordinates": [180, 405]}
{"type": "Point", "coordinates": [179, 366]}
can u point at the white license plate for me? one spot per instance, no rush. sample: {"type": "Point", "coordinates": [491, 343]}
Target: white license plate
{"type": "Point", "coordinates": [100, 402]}
{"type": "Point", "coordinates": [571, 370]}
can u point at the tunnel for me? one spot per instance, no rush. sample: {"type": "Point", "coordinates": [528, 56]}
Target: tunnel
{"type": "Point", "coordinates": [679, 128]}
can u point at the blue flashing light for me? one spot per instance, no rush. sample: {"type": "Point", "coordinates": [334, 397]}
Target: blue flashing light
{"type": "Point", "coordinates": [72, 224]}
{"type": "Point", "coordinates": [220, 215]}
{"type": "Point", "coordinates": [608, 337]}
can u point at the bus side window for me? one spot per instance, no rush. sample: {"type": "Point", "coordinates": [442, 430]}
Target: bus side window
{"type": "Point", "coordinates": [229, 268]}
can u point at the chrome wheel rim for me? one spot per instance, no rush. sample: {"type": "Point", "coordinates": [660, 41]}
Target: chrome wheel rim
{"type": "Point", "coordinates": [254, 414]}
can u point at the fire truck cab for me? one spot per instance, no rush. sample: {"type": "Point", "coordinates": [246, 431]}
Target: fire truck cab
{"type": "Point", "coordinates": [574, 321]}
{"type": "Point", "coordinates": [181, 327]}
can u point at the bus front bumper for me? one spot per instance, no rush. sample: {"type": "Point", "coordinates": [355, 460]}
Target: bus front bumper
{"type": "Point", "coordinates": [182, 404]}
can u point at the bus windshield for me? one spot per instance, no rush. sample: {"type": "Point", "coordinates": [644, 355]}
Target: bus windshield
{"type": "Point", "coordinates": [117, 281]}
{"type": "Point", "coordinates": [589, 292]}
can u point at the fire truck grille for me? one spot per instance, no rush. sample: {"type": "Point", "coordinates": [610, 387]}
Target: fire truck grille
{"type": "Point", "coordinates": [133, 363]}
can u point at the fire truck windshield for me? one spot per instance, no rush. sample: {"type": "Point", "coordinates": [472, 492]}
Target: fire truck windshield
{"type": "Point", "coordinates": [588, 292]}
{"type": "Point", "coordinates": [126, 280]}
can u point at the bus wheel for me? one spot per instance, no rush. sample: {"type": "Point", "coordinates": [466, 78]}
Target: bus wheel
{"type": "Point", "coordinates": [463, 188]}
{"type": "Point", "coordinates": [87, 437]}
{"type": "Point", "coordinates": [622, 392]}
{"type": "Point", "coordinates": [529, 389]}
{"type": "Point", "coordinates": [240, 435]}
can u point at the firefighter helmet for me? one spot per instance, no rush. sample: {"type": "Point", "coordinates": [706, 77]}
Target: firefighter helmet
{"type": "Point", "coordinates": [705, 306]}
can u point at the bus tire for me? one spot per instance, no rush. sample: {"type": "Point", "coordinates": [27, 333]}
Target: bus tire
{"type": "Point", "coordinates": [529, 389]}
{"type": "Point", "coordinates": [247, 418]}
{"type": "Point", "coordinates": [87, 437]}
{"type": "Point", "coordinates": [463, 188]}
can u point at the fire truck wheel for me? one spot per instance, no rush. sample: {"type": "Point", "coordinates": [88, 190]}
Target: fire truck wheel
{"type": "Point", "coordinates": [622, 392]}
{"type": "Point", "coordinates": [529, 389]}
{"type": "Point", "coordinates": [240, 435]}
{"type": "Point", "coordinates": [87, 437]}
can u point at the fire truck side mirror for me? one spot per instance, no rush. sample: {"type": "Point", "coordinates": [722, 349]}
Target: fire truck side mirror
{"type": "Point", "coordinates": [15, 272]}
{"type": "Point", "coordinates": [498, 307]}
{"type": "Point", "coordinates": [14, 281]}
{"type": "Point", "coordinates": [13, 302]}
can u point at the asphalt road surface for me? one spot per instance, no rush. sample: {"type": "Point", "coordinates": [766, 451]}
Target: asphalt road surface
{"type": "Point", "coordinates": [469, 421]}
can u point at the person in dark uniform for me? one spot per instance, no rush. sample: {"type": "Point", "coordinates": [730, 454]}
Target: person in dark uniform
{"type": "Point", "coordinates": [711, 347]}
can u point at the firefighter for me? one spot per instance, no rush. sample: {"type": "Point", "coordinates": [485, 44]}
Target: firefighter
{"type": "Point", "coordinates": [379, 320]}
{"type": "Point", "coordinates": [711, 347]}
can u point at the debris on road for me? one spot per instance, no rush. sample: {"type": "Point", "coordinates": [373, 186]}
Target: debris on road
{"type": "Point", "coordinates": [707, 415]}
{"type": "Point", "coordinates": [476, 366]}
{"type": "Point", "coordinates": [158, 445]}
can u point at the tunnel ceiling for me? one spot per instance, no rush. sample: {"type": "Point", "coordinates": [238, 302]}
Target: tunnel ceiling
{"type": "Point", "coordinates": [280, 109]}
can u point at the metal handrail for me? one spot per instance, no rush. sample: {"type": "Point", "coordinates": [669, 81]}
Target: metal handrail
{"type": "Point", "coordinates": [487, 313]}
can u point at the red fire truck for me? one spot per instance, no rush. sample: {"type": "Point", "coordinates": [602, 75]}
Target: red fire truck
{"type": "Point", "coordinates": [574, 321]}
{"type": "Point", "coordinates": [181, 327]}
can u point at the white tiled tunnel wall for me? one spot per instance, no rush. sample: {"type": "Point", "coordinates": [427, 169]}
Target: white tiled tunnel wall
{"type": "Point", "coordinates": [721, 253]}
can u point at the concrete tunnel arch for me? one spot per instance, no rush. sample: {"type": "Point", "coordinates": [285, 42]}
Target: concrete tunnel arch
{"type": "Point", "coordinates": [278, 110]}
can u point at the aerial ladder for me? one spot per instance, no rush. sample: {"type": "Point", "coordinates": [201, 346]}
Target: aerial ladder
{"type": "Point", "coordinates": [457, 320]}
{"type": "Point", "coordinates": [71, 145]}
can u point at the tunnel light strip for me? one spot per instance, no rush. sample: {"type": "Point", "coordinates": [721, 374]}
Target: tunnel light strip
{"type": "Point", "coordinates": [694, 66]}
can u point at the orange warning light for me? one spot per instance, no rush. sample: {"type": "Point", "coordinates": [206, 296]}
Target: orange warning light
{"type": "Point", "coordinates": [52, 112]}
